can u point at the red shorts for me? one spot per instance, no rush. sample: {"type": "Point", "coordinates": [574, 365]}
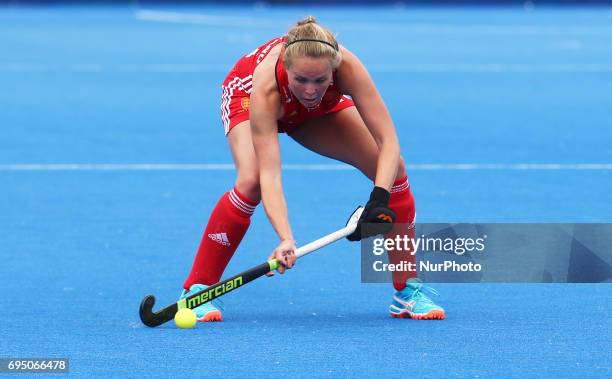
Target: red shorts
{"type": "Point", "coordinates": [235, 103]}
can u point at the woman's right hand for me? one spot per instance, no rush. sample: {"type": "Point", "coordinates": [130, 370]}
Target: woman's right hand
{"type": "Point", "coordinates": [284, 255]}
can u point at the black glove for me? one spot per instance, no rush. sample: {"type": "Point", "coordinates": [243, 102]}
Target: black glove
{"type": "Point", "coordinates": [377, 216]}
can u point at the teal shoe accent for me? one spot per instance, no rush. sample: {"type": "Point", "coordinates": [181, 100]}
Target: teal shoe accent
{"type": "Point", "coordinates": [412, 302]}
{"type": "Point", "coordinates": [211, 311]}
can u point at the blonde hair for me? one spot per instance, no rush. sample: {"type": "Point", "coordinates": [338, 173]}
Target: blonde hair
{"type": "Point", "coordinates": [309, 39]}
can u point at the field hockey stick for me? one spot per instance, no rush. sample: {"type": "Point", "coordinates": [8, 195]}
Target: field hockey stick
{"type": "Point", "coordinates": [150, 318]}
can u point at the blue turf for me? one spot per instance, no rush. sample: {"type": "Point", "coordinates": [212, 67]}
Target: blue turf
{"type": "Point", "coordinates": [80, 249]}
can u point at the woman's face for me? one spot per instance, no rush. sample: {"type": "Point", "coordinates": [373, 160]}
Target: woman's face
{"type": "Point", "coordinates": [309, 78]}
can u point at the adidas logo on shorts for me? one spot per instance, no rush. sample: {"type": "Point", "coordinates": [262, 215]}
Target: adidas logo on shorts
{"type": "Point", "coordinates": [220, 238]}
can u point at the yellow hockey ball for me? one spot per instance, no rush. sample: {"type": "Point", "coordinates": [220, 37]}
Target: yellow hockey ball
{"type": "Point", "coordinates": [185, 318]}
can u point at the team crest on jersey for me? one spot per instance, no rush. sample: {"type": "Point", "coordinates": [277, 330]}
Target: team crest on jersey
{"type": "Point", "coordinates": [245, 102]}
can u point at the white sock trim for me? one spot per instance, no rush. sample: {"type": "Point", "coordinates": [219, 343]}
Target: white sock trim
{"type": "Point", "coordinates": [400, 187]}
{"type": "Point", "coordinates": [241, 205]}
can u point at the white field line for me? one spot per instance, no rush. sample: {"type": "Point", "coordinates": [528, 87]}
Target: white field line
{"type": "Point", "coordinates": [179, 68]}
{"type": "Point", "coordinates": [301, 167]}
{"type": "Point", "coordinates": [407, 27]}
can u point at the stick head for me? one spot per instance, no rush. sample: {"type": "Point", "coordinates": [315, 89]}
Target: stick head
{"type": "Point", "coordinates": [146, 310]}
{"type": "Point", "coordinates": [152, 318]}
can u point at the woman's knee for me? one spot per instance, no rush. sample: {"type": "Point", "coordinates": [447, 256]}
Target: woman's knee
{"type": "Point", "coordinates": [247, 184]}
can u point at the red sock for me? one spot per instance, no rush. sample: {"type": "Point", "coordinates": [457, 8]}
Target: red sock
{"type": "Point", "coordinates": [227, 225]}
{"type": "Point", "coordinates": [402, 203]}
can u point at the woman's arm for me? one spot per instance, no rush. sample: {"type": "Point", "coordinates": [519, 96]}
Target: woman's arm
{"type": "Point", "coordinates": [264, 110]}
{"type": "Point", "coordinates": [355, 81]}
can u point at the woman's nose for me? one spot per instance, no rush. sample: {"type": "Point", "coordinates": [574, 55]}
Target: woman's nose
{"type": "Point", "coordinates": [310, 90]}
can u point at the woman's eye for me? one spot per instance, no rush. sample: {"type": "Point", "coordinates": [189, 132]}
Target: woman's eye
{"type": "Point", "coordinates": [320, 81]}
{"type": "Point", "coordinates": [301, 80]}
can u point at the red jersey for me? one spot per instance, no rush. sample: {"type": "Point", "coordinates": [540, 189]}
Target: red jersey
{"type": "Point", "coordinates": [238, 85]}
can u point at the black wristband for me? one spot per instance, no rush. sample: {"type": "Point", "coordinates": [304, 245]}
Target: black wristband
{"type": "Point", "coordinates": [380, 195]}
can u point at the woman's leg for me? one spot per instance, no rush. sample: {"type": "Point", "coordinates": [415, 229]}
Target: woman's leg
{"type": "Point", "coordinates": [344, 136]}
{"type": "Point", "coordinates": [231, 217]}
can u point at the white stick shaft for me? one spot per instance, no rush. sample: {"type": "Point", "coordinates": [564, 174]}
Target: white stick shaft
{"type": "Point", "coordinates": [323, 241]}
{"type": "Point", "coordinates": [332, 237]}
